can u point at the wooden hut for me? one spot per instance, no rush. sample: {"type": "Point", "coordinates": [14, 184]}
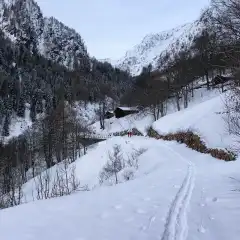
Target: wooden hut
{"type": "Point", "coordinates": [124, 111]}
{"type": "Point", "coordinates": [220, 80]}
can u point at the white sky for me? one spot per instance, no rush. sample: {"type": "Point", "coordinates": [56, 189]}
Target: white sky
{"type": "Point", "coordinates": [111, 27]}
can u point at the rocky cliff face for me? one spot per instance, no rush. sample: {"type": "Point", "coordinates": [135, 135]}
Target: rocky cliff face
{"type": "Point", "coordinates": [23, 22]}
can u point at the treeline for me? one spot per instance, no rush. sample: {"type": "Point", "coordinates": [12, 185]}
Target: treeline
{"type": "Point", "coordinates": [57, 137]}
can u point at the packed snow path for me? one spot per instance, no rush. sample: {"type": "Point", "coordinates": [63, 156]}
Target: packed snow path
{"type": "Point", "coordinates": [176, 227]}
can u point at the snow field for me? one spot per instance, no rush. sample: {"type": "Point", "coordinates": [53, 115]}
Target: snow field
{"type": "Point", "coordinates": [176, 193]}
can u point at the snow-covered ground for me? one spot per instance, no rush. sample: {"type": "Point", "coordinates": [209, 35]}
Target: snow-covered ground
{"type": "Point", "coordinates": [207, 119]}
{"type": "Point", "coordinates": [18, 125]}
{"type": "Point", "coordinates": [176, 193]}
{"type": "Point", "coordinates": [142, 121]}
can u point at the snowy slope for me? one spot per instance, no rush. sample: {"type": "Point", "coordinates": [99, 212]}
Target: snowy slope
{"type": "Point", "coordinates": [205, 118]}
{"type": "Point", "coordinates": [140, 121]}
{"type": "Point", "coordinates": [160, 44]}
{"type": "Point", "coordinates": [177, 194]}
{"type": "Point", "coordinates": [143, 120]}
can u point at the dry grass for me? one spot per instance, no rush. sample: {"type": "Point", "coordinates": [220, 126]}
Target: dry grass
{"type": "Point", "coordinates": [193, 141]}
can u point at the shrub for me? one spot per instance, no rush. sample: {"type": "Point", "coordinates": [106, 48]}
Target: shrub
{"type": "Point", "coordinates": [222, 155]}
{"type": "Point", "coordinates": [122, 133]}
{"type": "Point", "coordinates": [152, 133]}
{"type": "Point", "coordinates": [125, 132]}
{"type": "Point", "coordinates": [114, 165]}
{"type": "Point", "coordinates": [193, 141]}
{"type": "Point", "coordinates": [128, 174]}
{"type": "Point", "coordinates": [119, 169]}
{"type": "Point", "coordinates": [133, 159]}
{"type": "Point", "coordinates": [136, 132]}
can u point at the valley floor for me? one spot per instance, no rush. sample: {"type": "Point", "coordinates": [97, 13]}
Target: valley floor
{"type": "Point", "coordinates": [177, 194]}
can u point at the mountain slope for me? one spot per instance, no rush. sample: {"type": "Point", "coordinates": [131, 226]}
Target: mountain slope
{"type": "Point", "coordinates": [161, 44]}
{"type": "Point", "coordinates": [38, 57]}
{"type": "Point", "coordinates": [23, 22]}
{"type": "Point", "coordinates": [62, 44]}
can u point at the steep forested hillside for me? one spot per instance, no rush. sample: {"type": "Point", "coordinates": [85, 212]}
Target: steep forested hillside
{"type": "Point", "coordinates": [43, 61]}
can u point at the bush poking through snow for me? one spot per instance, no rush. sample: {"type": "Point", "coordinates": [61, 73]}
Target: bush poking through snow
{"type": "Point", "coordinates": [124, 133]}
{"type": "Point", "coordinates": [136, 132]}
{"type": "Point", "coordinates": [128, 174]}
{"type": "Point", "coordinates": [133, 158]}
{"type": "Point", "coordinates": [63, 183]}
{"type": "Point", "coordinates": [152, 133]}
{"type": "Point", "coordinates": [193, 141]}
{"type": "Point", "coordinates": [221, 154]}
{"type": "Point", "coordinates": [118, 169]}
{"type": "Point", "coordinates": [113, 166]}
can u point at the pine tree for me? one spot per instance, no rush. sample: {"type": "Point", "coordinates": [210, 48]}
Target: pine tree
{"type": "Point", "coordinates": [33, 111]}
{"type": "Point", "coordinates": [21, 107]}
{"type": "Point", "coordinates": [6, 126]}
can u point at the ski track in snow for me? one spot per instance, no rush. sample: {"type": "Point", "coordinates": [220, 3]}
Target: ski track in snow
{"type": "Point", "coordinates": [176, 227]}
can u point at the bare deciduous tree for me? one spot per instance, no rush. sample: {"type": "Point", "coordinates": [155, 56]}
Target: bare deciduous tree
{"type": "Point", "coordinates": [61, 182]}
{"type": "Point", "coordinates": [232, 105]}
{"type": "Point", "coordinates": [114, 165]}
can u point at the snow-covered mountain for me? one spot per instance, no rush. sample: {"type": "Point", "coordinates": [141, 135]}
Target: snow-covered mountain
{"type": "Point", "coordinates": [23, 22]}
{"type": "Point", "coordinates": [62, 44]}
{"type": "Point", "coordinates": [154, 46]}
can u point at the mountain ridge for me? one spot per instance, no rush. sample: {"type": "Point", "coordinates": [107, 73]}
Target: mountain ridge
{"type": "Point", "coordinates": [158, 45]}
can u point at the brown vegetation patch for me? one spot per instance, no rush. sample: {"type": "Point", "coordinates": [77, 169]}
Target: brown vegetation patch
{"type": "Point", "coordinates": [193, 141]}
{"type": "Point", "coordinates": [124, 133]}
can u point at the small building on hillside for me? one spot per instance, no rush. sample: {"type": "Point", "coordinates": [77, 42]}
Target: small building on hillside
{"type": "Point", "coordinates": [124, 111]}
{"type": "Point", "coordinates": [109, 114]}
{"type": "Point", "coordinates": [220, 80]}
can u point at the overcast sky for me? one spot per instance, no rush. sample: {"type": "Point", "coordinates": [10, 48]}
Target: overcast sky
{"type": "Point", "coordinates": [111, 27]}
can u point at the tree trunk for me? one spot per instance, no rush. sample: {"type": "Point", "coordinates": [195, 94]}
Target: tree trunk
{"type": "Point", "coordinates": [178, 101]}
{"type": "Point", "coordinates": [192, 89]}
{"type": "Point", "coordinates": [162, 109]}
{"type": "Point", "coordinates": [156, 112]}
{"type": "Point", "coordinates": [116, 177]}
{"type": "Point", "coordinates": [207, 78]}
{"type": "Point", "coordinates": [185, 94]}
